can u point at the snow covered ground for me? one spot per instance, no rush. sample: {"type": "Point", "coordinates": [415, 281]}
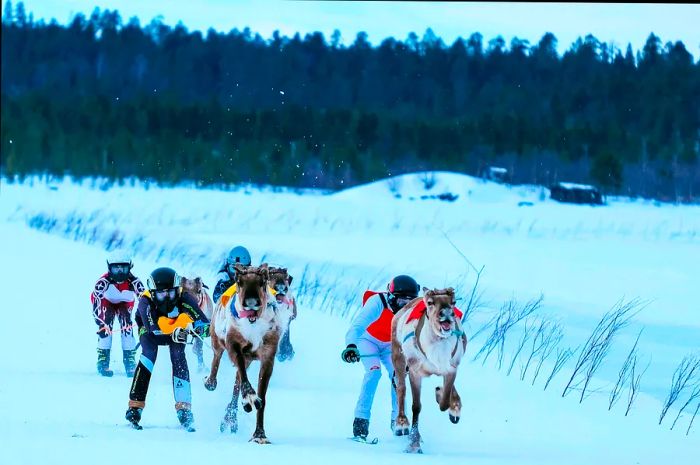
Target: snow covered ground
{"type": "Point", "coordinates": [583, 259]}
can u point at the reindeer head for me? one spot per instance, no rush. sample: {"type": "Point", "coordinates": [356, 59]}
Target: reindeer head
{"type": "Point", "coordinates": [193, 286]}
{"type": "Point", "coordinates": [440, 309]}
{"type": "Point", "coordinates": [279, 282]}
{"type": "Point", "coordinates": [252, 289]}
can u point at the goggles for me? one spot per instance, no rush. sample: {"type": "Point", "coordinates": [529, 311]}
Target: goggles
{"type": "Point", "coordinates": [165, 294]}
{"type": "Point", "coordinates": [119, 268]}
{"type": "Point", "coordinates": [401, 300]}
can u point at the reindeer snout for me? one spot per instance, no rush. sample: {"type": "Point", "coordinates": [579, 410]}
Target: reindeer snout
{"type": "Point", "coordinates": [252, 302]}
{"type": "Point", "coordinates": [446, 313]}
{"type": "Point", "coordinates": [281, 288]}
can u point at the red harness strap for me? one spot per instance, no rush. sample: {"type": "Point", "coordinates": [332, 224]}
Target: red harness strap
{"type": "Point", "coordinates": [419, 309]}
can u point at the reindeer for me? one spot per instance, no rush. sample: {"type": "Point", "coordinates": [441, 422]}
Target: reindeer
{"type": "Point", "coordinates": [286, 308]}
{"type": "Point", "coordinates": [246, 326]}
{"type": "Point", "coordinates": [427, 339]}
{"type": "Point", "coordinates": [198, 289]}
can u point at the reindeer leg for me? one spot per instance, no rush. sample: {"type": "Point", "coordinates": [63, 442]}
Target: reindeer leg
{"type": "Point", "coordinates": [218, 347]}
{"type": "Point", "coordinates": [455, 406]}
{"type": "Point", "coordinates": [267, 363]}
{"type": "Point", "coordinates": [416, 381]}
{"type": "Point", "coordinates": [399, 361]}
{"type": "Point", "coordinates": [247, 391]}
{"type": "Point", "coordinates": [231, 416]}
{"type": "Point", "coordinates": [442, 395]}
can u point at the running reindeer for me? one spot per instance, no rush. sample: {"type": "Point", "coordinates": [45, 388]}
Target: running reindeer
{"type": "Point", "coordinates": [286, 308]}
{"type": "Point", "coordinates": [246, 327]}
{"type": "Point", "coordinates": [427, 339]}
{"type": "Point", "coordinates": [199, 290]}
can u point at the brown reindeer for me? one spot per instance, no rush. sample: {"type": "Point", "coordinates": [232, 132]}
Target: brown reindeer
{"type": "Point", "coordinates": [247, 328]}
{"type": "Point", "coordinates": [197, 288]}
{"type": "Point", "coordinates": [427, 339]}
{"type": "Point", "coordinates": [286, 308]}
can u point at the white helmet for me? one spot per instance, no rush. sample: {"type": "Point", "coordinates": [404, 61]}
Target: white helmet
{"type": "Point", "coordinates": [119, 256]}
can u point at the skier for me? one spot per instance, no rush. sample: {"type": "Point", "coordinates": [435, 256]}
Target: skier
{"type": "Point", "coordinates": [161, 310]}
{"type": "Point", "coordinates": [114, 295]}
{"type": "Point", "coordinates": [227, 274]}
{"type": "Point", "coordinates": [369, 340]}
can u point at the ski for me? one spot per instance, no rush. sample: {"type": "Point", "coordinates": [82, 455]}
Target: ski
{"type": "Point", "coordinates": [362, 440]}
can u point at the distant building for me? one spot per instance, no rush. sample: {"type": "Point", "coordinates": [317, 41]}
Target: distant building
{"type": "Point", "coordinates": [576, 193]}
{"type": "Point", "coordinates": [495, 173]}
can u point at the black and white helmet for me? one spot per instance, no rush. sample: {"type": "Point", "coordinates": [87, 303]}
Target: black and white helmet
{"type": "Point", "coordinates": [119, 266]}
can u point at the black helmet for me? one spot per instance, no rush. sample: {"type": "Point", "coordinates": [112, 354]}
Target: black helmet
{"type": "Point", "coordinates": [402, 289]}
{"type": "Point", "coordinates": [163, 284]}
{"type": "Point", "coordinates": [404, 286]}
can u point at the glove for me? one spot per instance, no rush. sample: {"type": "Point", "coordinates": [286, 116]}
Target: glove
{"type": "Point", "coordinates": [180, 336]}
{"type": "Point", "coordinates": [201, 330]}
{"type": "Point", "coordinates": [350, 354]}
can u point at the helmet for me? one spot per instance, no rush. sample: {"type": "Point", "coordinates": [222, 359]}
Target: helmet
{"type": "Point", "coordinates": [163, 278]}
{"type": "Point", "coordinates": [402, 289]}
{"type": "Point", "coordinates": [404, 286]}
{"type": "Point", "coordinates": [163, 284]}
{"type": "Point", "coordinates": [240, 255]}
{"type": "Point", "coordinates": [119, 265]}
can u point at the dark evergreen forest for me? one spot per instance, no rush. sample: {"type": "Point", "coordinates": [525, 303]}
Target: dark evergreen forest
{"type": "Point", "coordinates": [105, 96]}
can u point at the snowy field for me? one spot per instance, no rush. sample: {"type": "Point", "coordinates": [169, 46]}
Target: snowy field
{"type": "Point", "coordinates": [582, 259]}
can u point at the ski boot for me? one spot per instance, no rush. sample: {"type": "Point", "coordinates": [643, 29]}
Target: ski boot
{"type": "Point", "coordinates": [360, 428]}
{"type": "Point", "coordinates": [185, 417]}
{"type": "Point", "coordinates": [103, 363]}
{"type": "Point", "coordinates": [133, 416]}
{"type": "Point", "coordinates": [130, 362]}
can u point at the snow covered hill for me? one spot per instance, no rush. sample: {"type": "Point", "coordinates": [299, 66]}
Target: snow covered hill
{"type": "Point", "coordinates": [583, 259]}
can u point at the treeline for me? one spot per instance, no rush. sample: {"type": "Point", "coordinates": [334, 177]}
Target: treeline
{"type": "Point", "coordinates": [108, 97]}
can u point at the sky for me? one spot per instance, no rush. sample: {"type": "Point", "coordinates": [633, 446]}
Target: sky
{"type": "Point", "coordinates": [616, 23]}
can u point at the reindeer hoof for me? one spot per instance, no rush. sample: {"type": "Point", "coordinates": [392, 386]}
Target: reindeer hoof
{"type": "Point", "coordinates": [247, 407]}
{"type": "Point", "coordinates": [260, 440]}
{"type": "Point", "coordinates": [454, 418]}
{"type": "Point", "coordinates": [209, 385]}
{"type": "Point", "coordinates": [414, 449]}
{"type": "Point", "coordinates": [402, 431]}
{"type": "Point", "coordinates": [258, 403]}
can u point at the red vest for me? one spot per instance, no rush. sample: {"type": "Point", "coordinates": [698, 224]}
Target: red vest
{"type": "Point", "coordinates": [380, 328]}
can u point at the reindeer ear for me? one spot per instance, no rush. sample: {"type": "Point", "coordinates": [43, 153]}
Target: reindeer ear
{"type": "Point", "coordinates": [425, 289]}
{"type": "Point", "coordinates": [183, 281]}
{"type": "Point", "coordinates": [290, 278]}
{"type": "Point", "coordinates": [451, 290]}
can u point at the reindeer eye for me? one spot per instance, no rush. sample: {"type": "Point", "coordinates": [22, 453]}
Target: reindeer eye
{"type": "Point", "coordinates": [430, 302]}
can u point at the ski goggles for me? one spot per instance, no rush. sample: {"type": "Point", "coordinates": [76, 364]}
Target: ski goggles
{"type": "Point", "coordinates": [119, 268]}
{"type": "Point", "coordinates": [165, 294]}
{"type": "Point", "coordinates": [401, 300]}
